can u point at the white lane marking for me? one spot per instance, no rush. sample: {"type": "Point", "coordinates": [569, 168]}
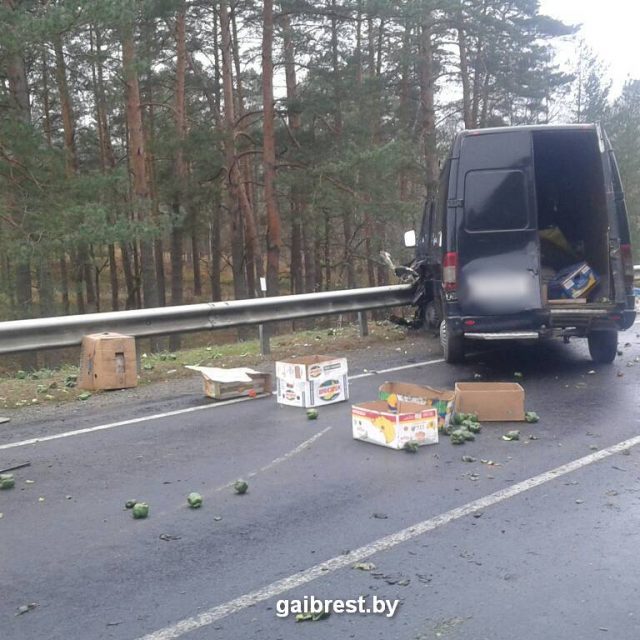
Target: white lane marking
{"type": "Point", "coordinates": [283, 458]}
{"type": "Point", "coordinates": [383, 544]}
{"type": "Point", "coordinates": [376, 372]}
{"type": "Point", "coordinates": [122, 423]}
{"type": "Point", "coordinates": [168, 414]}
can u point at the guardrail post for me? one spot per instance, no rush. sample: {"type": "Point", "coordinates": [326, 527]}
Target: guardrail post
{"type": "Point", "coordinates": [265, 344]}
{"type": "Point", "coordinates": [362, 324]}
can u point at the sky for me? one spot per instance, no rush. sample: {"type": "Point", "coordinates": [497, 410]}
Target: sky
{"type": "Point", "coordinates": [610, 27]}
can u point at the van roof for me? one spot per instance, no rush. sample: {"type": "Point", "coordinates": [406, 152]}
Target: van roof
{"type": "Point", "coordinates": [529, 127]}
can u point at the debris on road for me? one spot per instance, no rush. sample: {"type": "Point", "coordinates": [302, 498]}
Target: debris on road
{"type": "Point", "coordinates": [15, 467]}
{"type": "Point", "coordinates": [531, 416]}
{"type": "Point", "coordinates": [379, 516]}
{"type": "Point", "coordinates": [7, 481]}
{"type": "Point", "coordinates": [518, 374]}
{"type": "Point", "coordinates": [4, 420]}
{"type": "Point", "coordinates": [364, 566]}
{"type": "Point", "coordinates": [85, 395]}
{"type": "Point", "coordinates": [314, 617]}
{"type": "Point", "coordinates": [129, 504]}
{"type": "Point", "coordinates": [167, 537]}
{"type": "Point", "coordinates": [194, 500]}
{"type": "Point", "coordinates": [240, 486]}
{"type": "Point", "coordinates": [309, 381]}
{"type": "Point", "coordinates": [140, 510]}
{"type": "Point", "coordinates": [511, 435]}
{"type": "Point", "coordinates": [221, 384]}
{"type": "Point", "coordinates": [217, 518]}
{"type": "Point", "coordinates": [411, 446]}
{"type": "Point", "coordinates": [312, 414]}
{"type": "Point", "coordinates": [468, 459]}
{"type": "Point", "coordinates": [491, 401]}
{"type": "Point", "coordinates": [25, 608]}
{"type": "Point", "coordinates": [457, 437]}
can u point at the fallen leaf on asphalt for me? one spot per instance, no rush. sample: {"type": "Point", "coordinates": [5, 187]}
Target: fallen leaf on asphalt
{"type": "Point", "coordinates": [25, 608]}
{"type": "Point", "coordinates": [168, 537]}
{"type": "Point", "coordinates": [364, 566]}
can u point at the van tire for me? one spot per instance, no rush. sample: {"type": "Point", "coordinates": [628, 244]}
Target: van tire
{"type": "Point", "coordinates": [452, 344]}
{"type": "Point", "coordinates": [603, 345]}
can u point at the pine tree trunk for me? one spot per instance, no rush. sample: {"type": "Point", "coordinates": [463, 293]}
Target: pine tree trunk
{"type": "Point", "coordinates": [64, 284]}
{"type": "Point", "coordinates": [214, 242]}
{"type": "Point", "coordinates": [137, 159]}
{"type": "Point", "coordinates": [427, 82]}
{"type": "Point", "coordinates": [464, 70]}
{"type": "Point", "coordinates": [274, 234]}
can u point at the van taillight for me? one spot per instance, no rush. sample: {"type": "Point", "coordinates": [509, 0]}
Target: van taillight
{"type": "Point", "coordinates": [627, 264]}
{"type": "Point", "coordinates": [450, 271]}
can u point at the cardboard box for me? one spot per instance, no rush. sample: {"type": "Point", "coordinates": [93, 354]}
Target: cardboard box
{"type": "Point", "coordinates": [373, 422]}
{"type": "Point", "coordinates": [491, 401]}
{"type": "Point", "coordinates": [573, 282]}
{"type": "Point", "coordinates": [108, 361]}
{"type": "Point", "coordinates": [222, 384]}
{"type": "Point", "coordinates": [312, 381]}
{"type": "Point", "coordinates": [442, 401]}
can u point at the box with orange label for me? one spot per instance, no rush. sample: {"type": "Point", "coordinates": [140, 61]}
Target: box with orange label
{"type": "Point", "coordinates": [374, 422]}
{"type": "Point", "coordinates": [311, 381]}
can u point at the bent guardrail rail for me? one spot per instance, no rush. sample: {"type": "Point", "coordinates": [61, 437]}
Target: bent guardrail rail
{"type": "Point", "coordinates": [65, 331]}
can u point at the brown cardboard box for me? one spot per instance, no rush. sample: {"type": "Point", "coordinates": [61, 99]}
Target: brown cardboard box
{"type": "Point", "coordinates": [221, 384]}
{"type": "Point", "coordinates": [491, 401]}
{"type": "Point", "coordinates": [108, 361]}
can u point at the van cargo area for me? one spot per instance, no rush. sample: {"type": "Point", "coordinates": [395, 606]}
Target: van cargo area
{"type": "Point", "coordinates": [572, 209]}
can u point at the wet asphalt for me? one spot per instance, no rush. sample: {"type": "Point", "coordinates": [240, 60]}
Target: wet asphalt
{"type": "Point", "coordinates": [556, 561]}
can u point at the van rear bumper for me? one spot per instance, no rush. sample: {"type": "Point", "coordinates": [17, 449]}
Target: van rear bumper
{"type": "Point", "coordinates": [541, 323]}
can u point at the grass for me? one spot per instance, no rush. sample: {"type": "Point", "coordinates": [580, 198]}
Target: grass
{"type": "Point", "coordinates": [55, 386]}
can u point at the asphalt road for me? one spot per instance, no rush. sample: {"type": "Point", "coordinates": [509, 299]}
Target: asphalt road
{"type": "Point", "coordinates": [471, 550]}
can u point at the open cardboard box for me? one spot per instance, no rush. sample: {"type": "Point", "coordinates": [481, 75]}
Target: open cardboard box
{"type": "Point", "coordinates": [222, 384]}
{"type": "Point", "coordinates": [437, 399]}
{"type": "Point", "coordinates": [491, 401]}
{"type": "Point", "coordinates": [374, 422]}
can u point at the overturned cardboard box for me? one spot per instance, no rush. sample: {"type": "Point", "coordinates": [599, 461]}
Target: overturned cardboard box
{"type": "Point", "coordinates": [222, 384]}
{"type": "Point", "coordinates": [491, 401]}
{"type": "Point", "coordinates": [108, 361]}
{"type": "Point", "coordinates": [438, 399]}
{"type": "Point", "coordinates": [375, 422]}
{"type": "Point", "coordinates": [312, 381]}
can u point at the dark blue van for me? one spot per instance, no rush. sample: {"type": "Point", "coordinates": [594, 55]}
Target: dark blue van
{"type": "Point", "coordinates": [528, 239]}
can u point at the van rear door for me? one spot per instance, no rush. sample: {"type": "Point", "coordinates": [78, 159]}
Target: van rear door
{"type": "Point", "coordinates": [496, 225]}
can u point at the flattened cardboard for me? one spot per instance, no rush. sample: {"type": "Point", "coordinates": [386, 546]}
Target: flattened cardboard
{"type": "Point", "coordinates": [373, 422]}
{"type": "Point", "coordinates": [311, 381]}
{"type": "Point", "coordinates": [221, 384]}
{"type": "Point", "coordinates": [491, 401]}
{"type": "Point", "coordinates": [438, 399]}
{"type": "Point", "coordinates": [108, 361]}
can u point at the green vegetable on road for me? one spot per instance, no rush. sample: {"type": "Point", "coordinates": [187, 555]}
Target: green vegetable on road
{"type": "Point", "coordinates": [411, 446]}
{"type": "Point", "coordinates": [140, 510]}
{"type": "Point", "coordinates": [129, 504]}
{"type": "Point", "coordinates": [457, 437]}
{"type": "Point", "coordinates": [531, 416]}
{"type": "Point", "coordinates": [7, 481]}
{"type": "Point", "coordinates": [240, 486]}
{"type": "Point", "coordinates": [511, 435]}
{"type": "Point", "coordinates": [194, 500]}
{"type": "Point", "coordinates": [312, 414]}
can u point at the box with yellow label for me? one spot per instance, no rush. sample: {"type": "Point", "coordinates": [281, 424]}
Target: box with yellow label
{"type": "Point", "coordinates": [374, 422]}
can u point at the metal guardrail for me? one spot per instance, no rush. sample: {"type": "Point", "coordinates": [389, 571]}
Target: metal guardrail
{"type": "Point", "coordinates": [65, 331]}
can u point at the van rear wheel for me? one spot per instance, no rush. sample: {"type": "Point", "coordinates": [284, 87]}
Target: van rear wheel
{"type": "Point", "coordinates": [603, 345]}
{"type": "Point", "coordinates": [452, 344]}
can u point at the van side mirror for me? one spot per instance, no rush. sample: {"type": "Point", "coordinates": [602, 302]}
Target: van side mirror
{"type": "Point", "coordinates": [410, 238]}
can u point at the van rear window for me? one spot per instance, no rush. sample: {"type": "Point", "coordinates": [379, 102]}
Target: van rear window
{"type": "Point", "coordinates": [495, 201]}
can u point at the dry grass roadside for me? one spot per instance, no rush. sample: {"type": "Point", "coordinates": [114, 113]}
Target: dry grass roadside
{"type": "Point", "coordinates": [55, 386]}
